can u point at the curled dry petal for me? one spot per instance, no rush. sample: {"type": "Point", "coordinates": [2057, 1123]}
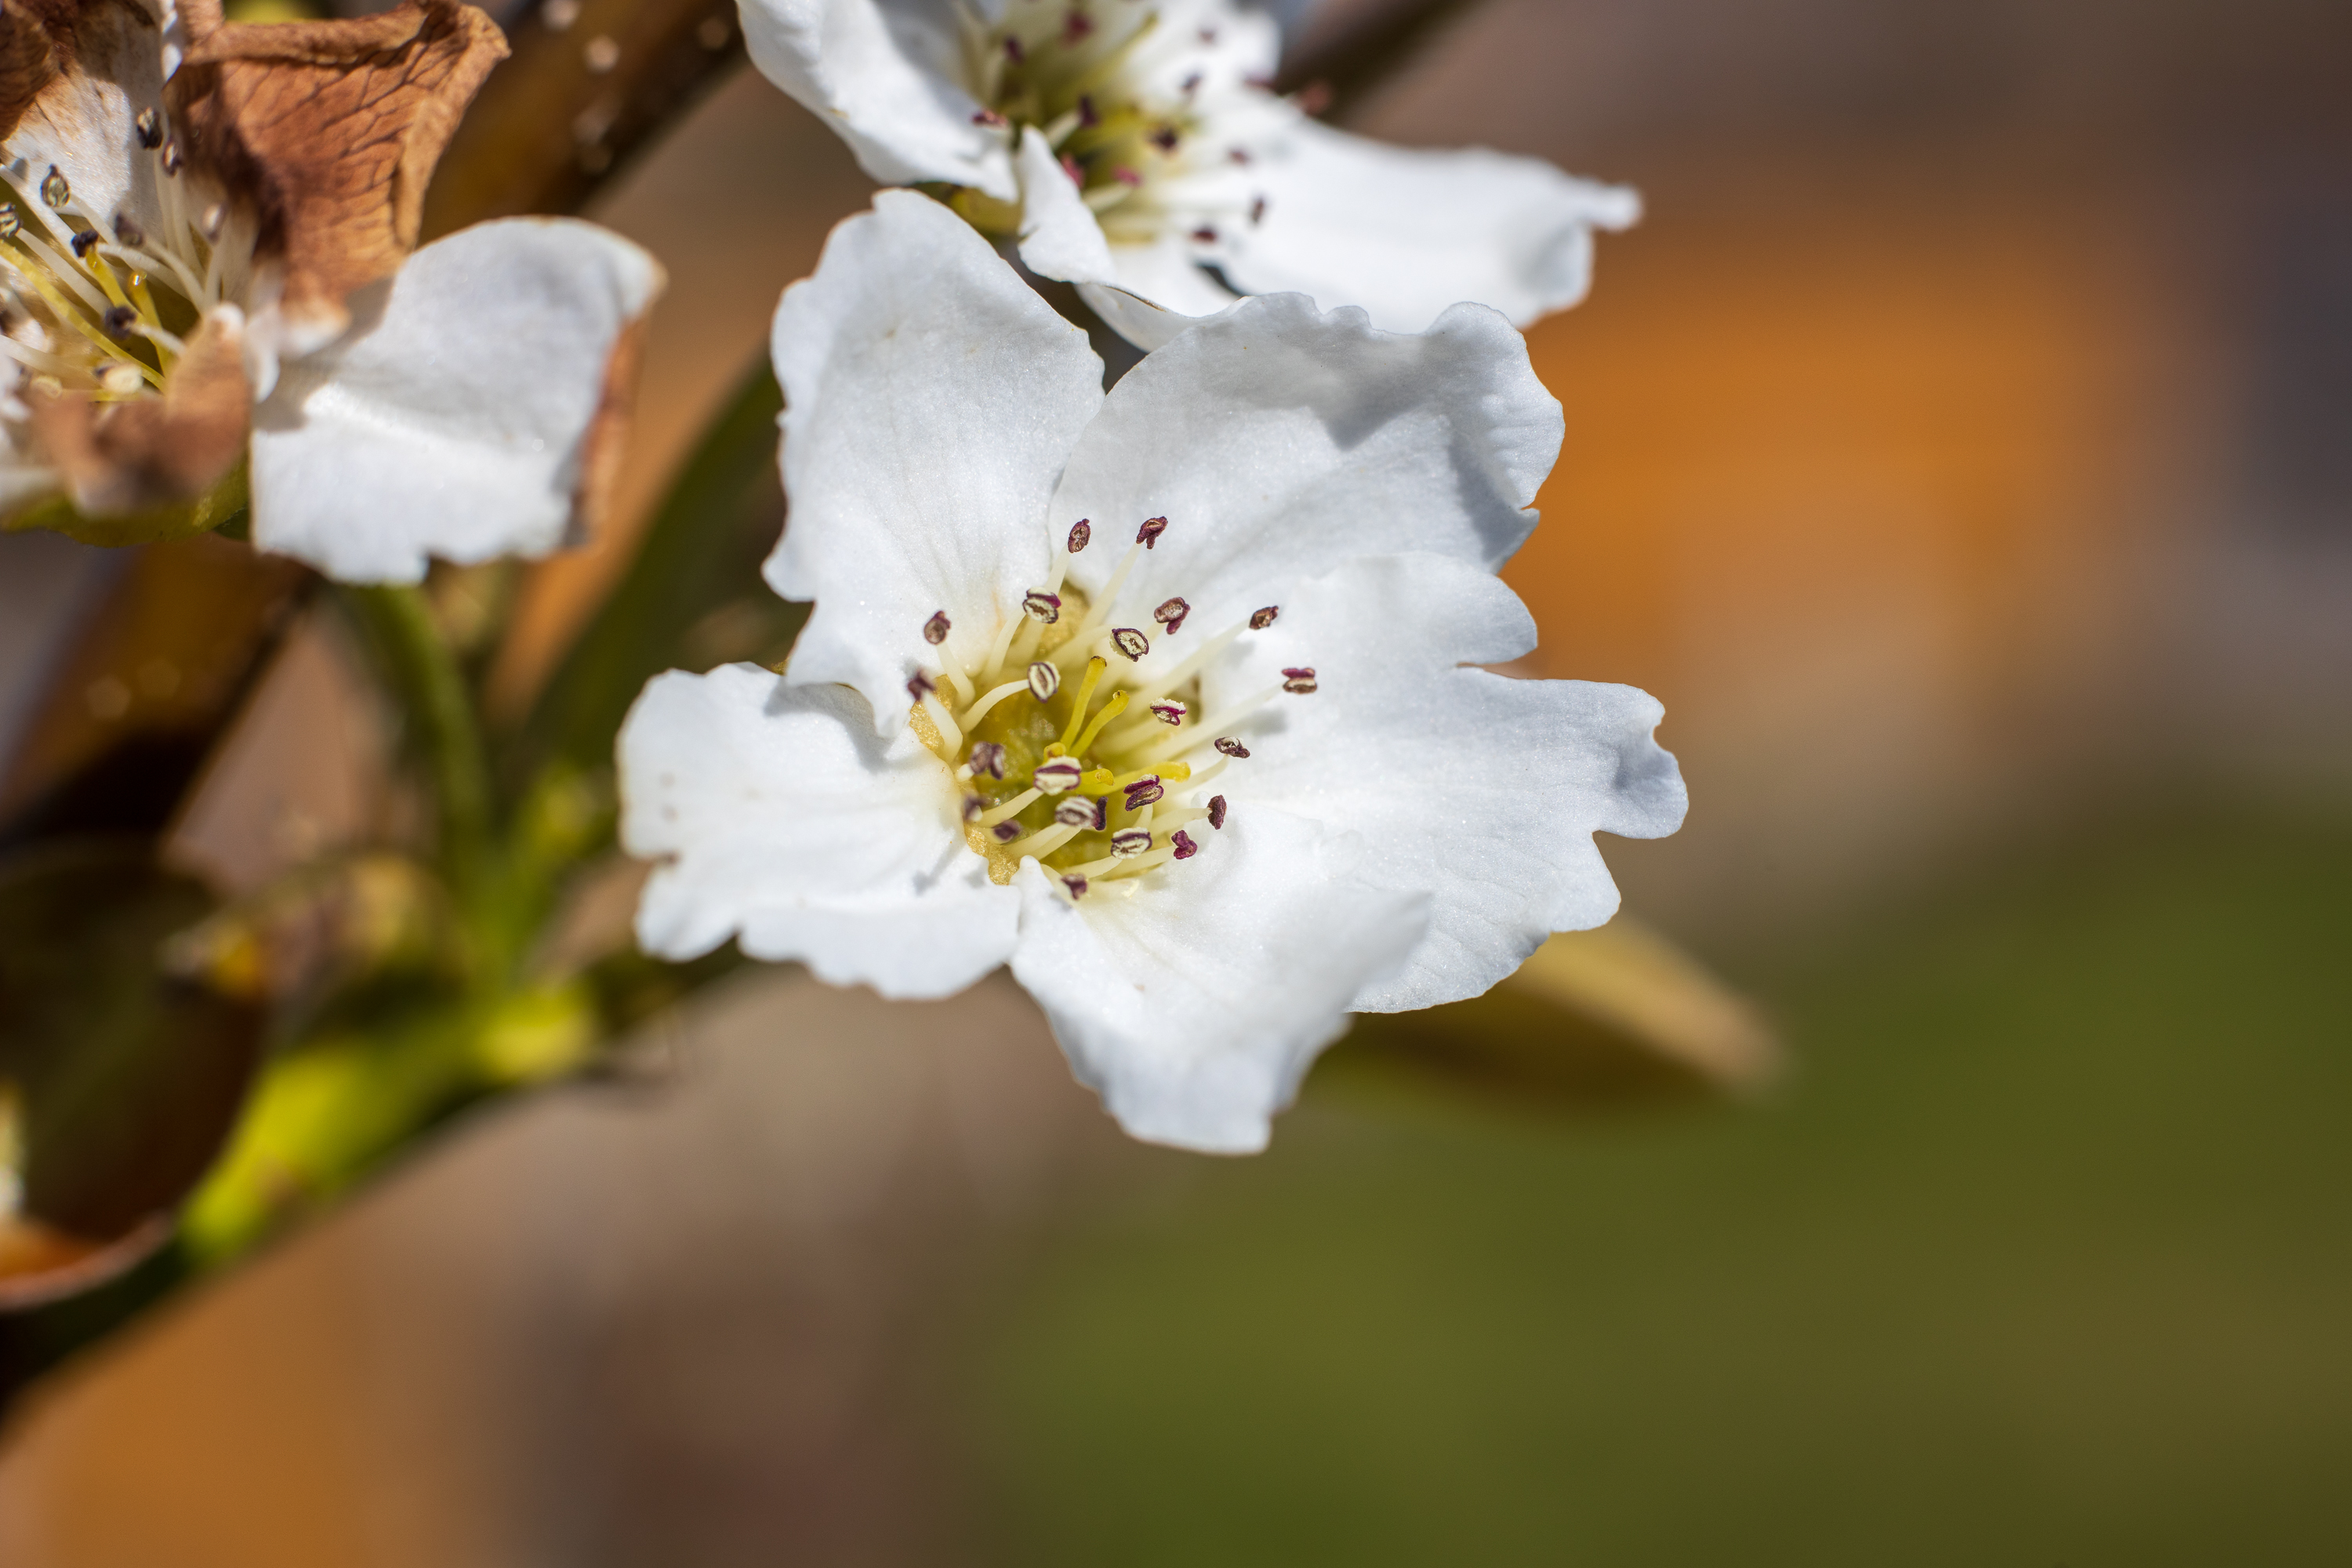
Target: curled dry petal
{"type": "Point", "coordinates": [331, 131]}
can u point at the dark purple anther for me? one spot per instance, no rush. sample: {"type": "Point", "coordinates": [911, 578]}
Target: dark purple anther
{"type": "Point", "coordinates": [988, 758]}
{"type": "Point", "coordinates": [1079, 812]}
{"type": "Point", "coordinates": [1172, 613]}
{"type": "Point", "coordinates": [1013, 50]}
{"type": "Point", "coordinates": [1257, 210]}
{"type": "Point", "coordinates": [1231, 747]}
{"type": "Point", "coordinates": [972, 806]}
{"type": "Point", "coordinates": [1185, 847]}
{"type": "Point", "coordinates": [989, 118]}
{"type": "Point", "coordinates": [920, 686]}
{"type": "Point", "coordinates": [1086, 115]}
{"type": "Point", "coordinates": [1006, 831]}
{"type": "Point", "coordinates": [1143, 791]}
{"type": "Point", "coordinates": [1148, 534]}
{"type": "Point", "coordinates": [1130, 642]}
{"type": "Point", "coordinates": [1204, 235]}
{"type": "Point", "coordinates": [1128, 842]}
{"type": "Point", "coordinates": [83, 241]}
{"type": "Point", "coordinates": [1164, 138]}
{"type": "Point", "coordinates": [1217, 811]}
{"type": "Point", "coordinates": [1077, 885]}
{"type": "Point", "coordinates": [1168, 711]}
{"type": "Point", "coordinates": [1078, 27]}
{"type": "Point", "coordinates": [1298, 682]}
{"type": "Point", "coordinates": [1082, 534]}
{"type": "Point", "coordinates": [1261, 619]}
{"type": "Point", "coordinates": [1039, 605]}
{"type": "Point", "coordinates": [935, 630]}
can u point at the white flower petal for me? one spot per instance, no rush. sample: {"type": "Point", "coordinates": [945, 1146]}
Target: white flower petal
{"type": "Point", "coordinates": [1407, 232]}
{"type": "Point", "coordinates": [459, 416]}
{"type": "Point", "coordinates": [1279, 442]}
{"type": "Point", "coordinates": [1195, 1005]}
{"type": "Point", "coordinates": [1059, 236]}
{"type": "Point", "coordinates": [1482, 791]}
{"type": "Point", "coordinates": [930, 397]}
{"type": "Point", "coordinates": [779, 819]}
{"type": "Point", "coordinates": [888, 76]}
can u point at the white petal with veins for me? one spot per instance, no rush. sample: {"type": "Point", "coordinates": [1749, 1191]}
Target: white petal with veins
{"type": "Point", "coordinates": [1480, 790]}
{"type": "Point", "coordinates": [1279, 442]}
{"type": "Point", "coordinates": [1195, 1007]}
{"type": "Point", "coordinates": [455, 418]}
{"type": "Point", "coordinates": [929, 399]}
{"type": "Point", "coordinates": [775, 815]}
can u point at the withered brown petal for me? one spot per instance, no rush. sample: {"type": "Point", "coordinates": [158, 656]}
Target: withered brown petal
{"type": "Point", "coordinates": [331, 131]}
{"type": "Point", "coordinates": [150, 451]}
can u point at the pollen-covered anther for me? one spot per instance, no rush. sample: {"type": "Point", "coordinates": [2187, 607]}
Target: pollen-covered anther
{"type": "Point", "coordinates": [1148, 534]}
{"type": "Point", "coordinates": [1130, 642]}
{"type": "Point", "coordinates": [1057, 775]}
{"type": "Point", "coordinates": [1185, 847]}
{"type": "Point", "coordinates": [1168, 711]}
{"type": "Point", "coordinates": [1077, 885]}
{"type": "Point", "coordinates": [1298, 682]}
{"type": "Point", "coordinates": [935, 630]}
{"type": "Point", "coordinates": [1082, 534]}
{"type": "Point", "coordinates": [1041, 606]}
{"type": "Point", "coordinates": [1129, 842]}
{"type": "Point", "coordinates": [1217, 811]}
{"type": "Point", "coordinates": [919, 686]}
{"type": "Point", "coordinates": [120, 320]}
{"type": "Point", "coordinates": [1230, 747]}
{"type": "Point", "coordinates": [1045, 680]}
{"type": "Point", "coordinates": [1081, 812]}
{"type": "Point", "coordinates": [1170, 614]}
{"type": "Point", "coordinates": [1008, 830]}
{"type": "Point", "coordinates": [1261, 619]}
{"type": "Point", "coordinates": [149, 126]}
{"type": "Point", "coordinates": [988, 759]}
{"type": "Point", "coordinates": [84, 242]}
{"type": "Point", "coordinates": [1143, 791]}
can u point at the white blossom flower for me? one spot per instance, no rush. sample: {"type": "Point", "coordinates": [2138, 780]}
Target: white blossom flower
{"type": "Point", "coordinates": [1132, 148]}
{"type": "Point", "coordinates": [1165, 698]}
{"type": "Point", "coordinates": [216, 265]}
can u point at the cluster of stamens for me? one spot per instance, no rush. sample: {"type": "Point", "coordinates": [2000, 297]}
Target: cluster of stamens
{"type": "Point", "coordinates": [91, 302]}
{"type": "Point", "coordinates": [1067, 67]}
{"type": "Point", "coordinates": [1070, 748]}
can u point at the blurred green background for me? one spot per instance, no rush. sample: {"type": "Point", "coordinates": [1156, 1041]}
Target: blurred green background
{"type": "Point", "coordinates": [2040, 1256]}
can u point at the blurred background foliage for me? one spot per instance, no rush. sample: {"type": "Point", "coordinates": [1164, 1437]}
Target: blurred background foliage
{"type": "Point", "coordinates": [1958, 449]}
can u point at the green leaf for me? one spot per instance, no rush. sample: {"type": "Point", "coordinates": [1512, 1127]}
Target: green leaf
{"type": "Point", "coordinates": [124, 1080]}
{"type": "Point", "coordinates": [1611, 1015]}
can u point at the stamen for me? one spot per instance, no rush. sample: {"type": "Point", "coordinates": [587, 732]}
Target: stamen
{"type": "Point", "coordinates": [1077, 885]}
{"type": "Point", "coordinates": [1183, 740]}
{"type": "Point", "coordinates": [1009, 809]}
{"type": "Point", "coordinates": [1045, 680]}
{"type": "Point", "coordinates": [935, 630]}
{"type": "Point", "coordinates": [988, 758]}
{"type": "Point", "coordinates": [1217, 811]}
{"type": "Point", "coordinates": [1148, 534]}
{"type": "Point", "coordinates": [1095, 668]}
{"type": "Point", "coordinates": [56, 189]}
{"type": "Point", "coordinates": [991, 698]}
{"type": "Point", "coordinates": [972, 806]}
{"type": "Point", "coordinates": [1132, 643]}
{"type": "Point", "coordinates": [1175, 773]}
{"type": "Point", "coordinates": [150, 126]}
{"type": "Point", "coordinates": [83, 241]}
{"type": "Point", "coordinates": [1129, 842]}
{"type": "Point", "coordinates": [1143, 793]}
{"type": "Point", "coordinates": [1101, 609]}
{"type": "Point", "coordinates": [1230, 747]}
{"type": "Point", "coordinates": [1057, 775]}
{"type": "Point", "coordinates": [1182, 843]}
{"type": "Point", "coordinates": [1039, 605]}
{"type": "Point", "coordinates": [1082, 534]}
{"type": "Point", "coordinates": [1110, 710]}
{"type": "Point", "coordinates": [1007, 832]}
{"type": "Point", "coordinates": [1082, 813]}
{"type": "Point", "coordinates": [118, 321]}
{"type": "Point", "coordinates": [1298, 682]}
{"type": "Point", "coordinates": [1261, 619]}
{"type": "Point", "coordinates": [1046, 840]}
{"type": "Point", "coordinates": [1170, 614]}
{"type": "Point", "coordinates": [1168, 711]}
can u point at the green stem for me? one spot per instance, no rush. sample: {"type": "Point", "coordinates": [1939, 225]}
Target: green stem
{"type": "Point", "coordinates": [422, 675]}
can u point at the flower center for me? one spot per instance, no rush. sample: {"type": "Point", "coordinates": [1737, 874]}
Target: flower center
{"type": "Point", "coordinates": [1071, 68]}
{"type": "Point", "coordinates": [1078, 745]}
{"type": "Point", "coordinates": [91, 302]}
